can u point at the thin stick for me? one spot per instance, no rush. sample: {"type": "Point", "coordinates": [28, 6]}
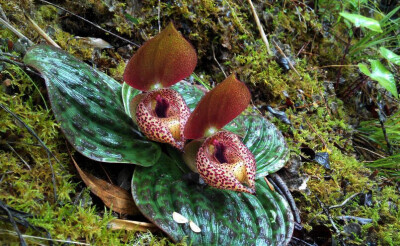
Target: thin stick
{"type": "Point", "coordinates": [94, 24]}
{"type": "Point", "coordinates": [302, 48]}
{"type": "Point", "coordinates": [15, 31]}
{"type": "Point", "coordinates": [104, 170]}
{"type": "Point", "coordinates": [3, 15]}
{"type": "Point", "coordinates": [48, 239]}
{"type": "Point", "coordinates": [159, 14]}
{"type": "Point", "coordinates": [283, 54]}
{"type": "Point", "coordinates": [41, 143]}
{"type": "Point", "coordinates": [41, 32]}
{"type": "Point", "coordinates": [286, 193]}
{"type": "Point", "coordinates": [381, 156]}
{"type": "Point", "coordinates": [14, 224]}
{"type": "Point", "coordinates": [215, 59]}
{"type": "Point", "coordinates": [20, 157]}
{"type": "Point", "coordinates": [338, 66]}
{"type": "Point", "coordinates": [259, 26]}
{"type": "Point", "coordinates": [344, 202]}
{"type": "Point", "coordinates": [359, 219]}
{"type": "Point", "coordinates": [326, 211]}
{"type": "Point", "coordinates": [312, 128]}
{"type": "Point", "coordinates": [389, 146]}
{"type": "Point", "coordinates": [21, 65]}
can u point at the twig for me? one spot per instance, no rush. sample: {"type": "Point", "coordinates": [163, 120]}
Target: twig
{"type": "Point", "coordinates": [41, 32]}
{"type": "Point", "coordinates": [3, 15]}
{"type": "Point", "coordinates": [312, 128]}
{"type": "Point", "coordinates": [21, 65]}
{"type": "Point", "coordinates": [104, 170]}
{"type": "Point", "coordinates": [215, 59]}
{"type": "Point", "coordinates": [41, 143]}
{"type": "Point", "coordinates": [67, 242]}
{"type": "Point", "coordinates": [159, 16]}
{"type": "Point", "coordinates": [8, 54]}
{"type": "Point", "coordinates": [326, 211]}
{"type": "Point", "coordinates": [302, 241]}
{"type": "Point", "coordinates": [346, 51]}
{"type": "Point", "coordinates": [389, 146]}
{"type": "Point", "coordinates": [359, 219]}
{"type": "Point", "coordinates": [259, 26]}
{"type": "Point", "coordinates": [94, 24]}
{"type": "Point", "coordinates": [283, 54]}
{"type": "Point", "coordinates": [344, 202]}
{"type": "Point", "coordinates": [285, 190]}
{"type": "Point", "coordinates": [14, 224]}
{"type": "Point", "coordinates": [381, 156]}
{"type": "Point", "coordinates": [15, 152]}
{"type": "Point", "coordinates": [12, 61]}
{"type": "Point", "coordinates": [302, 48]}
{"type": "Point", "coordinates": [53, 177]}
{"type": "Point", "coordinates": [337, 66]}
{"type": "Point", "coordinates": [15, 31]}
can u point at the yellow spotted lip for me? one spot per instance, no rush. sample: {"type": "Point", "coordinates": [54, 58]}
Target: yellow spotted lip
{"type": "Point", "coordinates": [161, 115]}
{"type": "Point", "coordinates": [224, 162]}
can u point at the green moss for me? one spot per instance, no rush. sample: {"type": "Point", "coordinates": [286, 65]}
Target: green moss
{"type": "Point", "coordinates": [31, 190]}
{"type": "Point", "coordinates": [46, 13]}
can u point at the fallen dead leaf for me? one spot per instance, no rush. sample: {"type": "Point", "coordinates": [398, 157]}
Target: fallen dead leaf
{"type": "Point", "coordinates": [130, 225]}
{"type": "Point", "coordinates": [114, 197]}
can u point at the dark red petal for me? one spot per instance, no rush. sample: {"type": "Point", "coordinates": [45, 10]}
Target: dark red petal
{"type": "Point", "coordinates": [165, 59]}
{"type": "Point", "coordinates": [218, 107]}
{"type": "Point", "coordinates": [239, 162]}
{"type": "Point", "coordinates": [167, 129]}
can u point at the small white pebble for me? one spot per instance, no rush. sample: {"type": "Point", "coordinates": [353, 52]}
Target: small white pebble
{"type": "Point", "coordinates": [179, 218]}
{"type": "Point", "coordinates": [194, 227]}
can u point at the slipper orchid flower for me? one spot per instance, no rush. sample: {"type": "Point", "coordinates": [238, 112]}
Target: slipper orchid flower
{"type": "Point", "coordinates": [222, 160]}
{"type": "Point", "coordinates": [164, 60]}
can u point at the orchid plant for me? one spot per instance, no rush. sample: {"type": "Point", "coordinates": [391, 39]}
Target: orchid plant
{"type": "Point", "coordinates": [96, 120]}
{"type": "Point", "coordinates": [223, 161]}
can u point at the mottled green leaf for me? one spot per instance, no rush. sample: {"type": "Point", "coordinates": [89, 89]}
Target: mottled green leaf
{"type": "Point", "coordinates": [263, 139]}
{"type": "Point", "coordinates": [224, 217]}
{"type": "Point", "coordinates": [362, 21]}
{"type": "Point", "coordinates": [390, 56]}
{"type": "Point", "coordinates": [89, 108]}
{"type": "Point", "coordinates": [379, 73]}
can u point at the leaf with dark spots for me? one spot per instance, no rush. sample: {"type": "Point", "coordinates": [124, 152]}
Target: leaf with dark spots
{"type": "Point", "coordinates": [114, 197]}
{"type": "Point", "coordinates": [88, 105]}
{"type": "Point", "coordinates": [223, 216]}
{"type": "Point", "coordinates": [165, 60]}
{"type": "Point", "coordinates": [322, 158]}
{"type": "Point", "coordinates": [217, 108]}
{"type": "Point", "coordinates": [279, 114]}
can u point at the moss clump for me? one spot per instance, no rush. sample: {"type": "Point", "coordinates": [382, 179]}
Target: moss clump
{"type": "Point", "coordinates": [29, 188]}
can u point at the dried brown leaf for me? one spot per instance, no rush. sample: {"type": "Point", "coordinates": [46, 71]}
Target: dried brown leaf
{"type": "Point", "coordinates": [130, 225]}
{"type": "Point", "coordinates": [114, 197]}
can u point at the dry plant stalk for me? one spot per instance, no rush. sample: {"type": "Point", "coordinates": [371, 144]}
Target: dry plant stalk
{"type": "Point", "coordinates": [260, 28]}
